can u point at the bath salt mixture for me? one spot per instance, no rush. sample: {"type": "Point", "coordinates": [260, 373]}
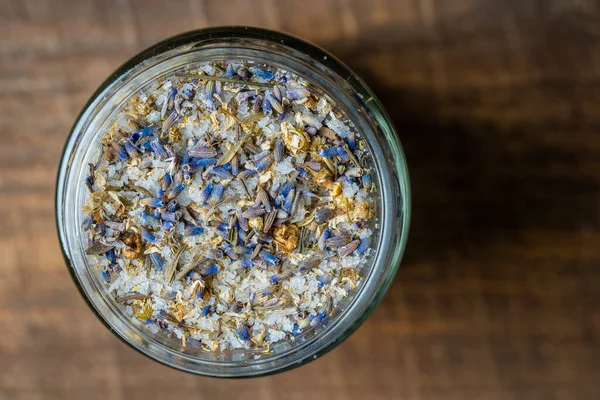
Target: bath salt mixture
{"type": "Point", "coordinates": [230, 207]}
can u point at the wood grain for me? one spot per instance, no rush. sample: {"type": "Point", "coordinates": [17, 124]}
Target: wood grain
{"type": "Point", "coordinates": [496, 103]}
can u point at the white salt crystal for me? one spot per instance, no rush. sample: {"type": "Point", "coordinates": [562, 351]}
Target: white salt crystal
{"type": "Point", "coordinates": [209, 69]}
{"type": "Point", "coordinates": [349, 189]}
{"type": "Point", "coordinates": [284, 167]}
{"type": "Point", "coordinates": [365, 233]}
{"type": "Point", "coordinates": [167, 86]}
{"type": "Point", "coordinates": [275, 335]}
{"type": "Point", "coordinates": [153, 116]}
{"type": "Point", "coordinates": [338, 126]}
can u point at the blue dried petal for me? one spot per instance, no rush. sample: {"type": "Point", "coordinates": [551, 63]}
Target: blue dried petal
{"type": "Point", "coordinates": [342, 153]}
{"type": "Point", "coordinates": [158, 148]}
{"type": "Point", "coordinates": [276, 278]}
{"type": "Point", "coordinates": [296, 330]}
{"type": "Point", "coordinates": [349, 248]}
{"type": "Point", "coordinates": [267, 109]}
{"type": "Point", "coordinates": [266, 292]}
{"type": "Point", "coordinates": [221, 226]}
{"type": "Point", "coordinates": [172, 205]}
{"type": "Point", "coordinates": [209, 90]}
{"type": "Point", "coordinates": [337, 241]}
{"type": "Point", "coordinates": [297, 93]}
{"type": "Point", "coordinates": [220, 172]}
{"type": "Point", "coordinates": [362, 247]}
{"type": "Point", "coordinates": [352, 142]}
{"type": "Point", "coordinates": [157, 261]}
{"type": "Point", "coordinates": [257, 106]}
{"type": "Point", "coordinates": [302, 172]}
{"type": "Point", "coordinates": [119, 150]}
{"type": "Point", "coordinates": [324, 279]}
{"type": "Point", "coordinates": [147, 235]}
{"type": "Point", "coordinates": [170, 216]}
{"type": "Point", "coordinates": [89, 181]}
{"type": "Point", "coordinates": [264, 163]}
{"type": "Point", "coordinates": [209, 270]}
{"type": "Point", "coordinates": [289, 201]}
{"type": "Point", "coordinates": [146, 146]}
{"type": "Point", "coordinates": [175, 191]}
{"type": "Point", "coordinates": [206, 311]}
{"type": "Point", "coordinates": [328, 153]}
{"type": "Point", "coordinates": [157, 202]}
{"type": "Point", "coordinates": [275, 187]}
{"type": "Point", "coordinates": [205, 193]}
{"type": "Point", "coordinates": [167, 225]}
{"type": "Point", "coordinates": [254, 211]}
{"type": "Point", "coordinates": [242, 234]}
{"type": "Point", "coordinates": [278, 150]}
{"type": "Point", "coordinates": [287, 188]}
{"type": "Point", "coordinates": [262, 73]}
{"type": "Point", "coordinates": [147, 131]}
{"type": "Point", "coordinates": [317, 319]}
{"type": "Point", "coordinates": [229, 251]}
{"type": "Point", "coordinates": [150, 220]}
{"type": "Point", "coordinates": [131, 149]}
{"type": "Point", "coordinates": [323, 215]}
{"type": "Point", "coordinates": [261, 155]}
{"type": "Point", "coordinates": [245, 95]}
{"type": "Point", "coordinates": [205, 162]}
{"type": "Point", "coordinates": [194, 231]}
{"type": "Point", "coordinates": [229, 71]}
{"type": "Point", "coordinates": [268, 257]}
{"type": "Point", "coordinates": [242, 250]}
{"type": "Point", "coordinates": [309, 264]}
{"type": "Point", "coordinates": [277, 94]}
{"type": "Point", "coordinates": [343, 178]}
{"type": "Point", "coordinates": [242, 221]}
{"type": "Point", "coordinates": [171, 95]}
{"type": "Point", "coordinates": [201, 151]}
{"type": "Point", "coordinates": [323, 238]}
{"type": "Point", "coordinates": [367, 182]}
{"type": "Point", "coordinates": [246, 263]}
{"type": "Point", "coordinates": [111, 257]}
{"type": "Point", "coordinates": [166, 181]}
{"type": "Point", "coordinates": [216, 194]}
{"type": "Point", "coordinates": [246, 174]}
{"type": "Point", "coordinates": [243, 332]}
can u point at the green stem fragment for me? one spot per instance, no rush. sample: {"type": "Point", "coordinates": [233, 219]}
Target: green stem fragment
{"type": "Point", "coordinates": [226, 80]}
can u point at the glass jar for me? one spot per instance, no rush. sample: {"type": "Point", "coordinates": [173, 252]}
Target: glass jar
{"type": "Point", "coordinates": [354, 98]}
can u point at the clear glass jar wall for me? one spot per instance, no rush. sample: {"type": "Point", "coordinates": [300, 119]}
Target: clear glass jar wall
{"type": "Point", "coordinates": [323, 71]}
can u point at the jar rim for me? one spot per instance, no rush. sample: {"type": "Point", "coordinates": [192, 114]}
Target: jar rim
{"type": "Point", "coordinates": [318, 55]}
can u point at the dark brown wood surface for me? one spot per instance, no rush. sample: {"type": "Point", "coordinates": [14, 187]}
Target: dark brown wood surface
{"type": "Point", "coordinates": [496, 103]}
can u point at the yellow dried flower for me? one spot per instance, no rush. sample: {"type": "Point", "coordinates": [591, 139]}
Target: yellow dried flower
{"type": "Point", "coordinates": [362, 211]}
{"type": "Point", "coordinates": [134, 245]}
{"type": "Point", "coordinates": [256, 223]}
{"type": "Point", "coordinates": [287, 236]}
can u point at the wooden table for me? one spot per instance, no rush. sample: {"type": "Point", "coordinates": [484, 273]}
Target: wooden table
{"type": "Point", "coordinates": [497, 105]}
